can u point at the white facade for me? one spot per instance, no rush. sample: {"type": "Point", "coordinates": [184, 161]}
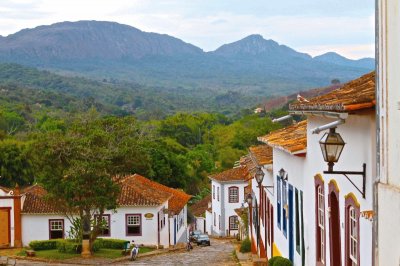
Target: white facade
{"type": "Point", "coordinates": [36, 226]}
{"type": "Point", "coordinates": [223, 211]}
{"type": "Point", "coordinates": [360, 136]}
{"type": "Point", "coordinates": [387, 195]}
{"type": "Point", "coordinates": [178, 227]}
{"type": "Point", "coordinates": [209, 222]}
{"type": "Point", "coordinates": [283, 230]}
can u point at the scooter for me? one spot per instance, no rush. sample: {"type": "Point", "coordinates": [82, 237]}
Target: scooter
{"type": "Point", "coordinates": [134, 251]}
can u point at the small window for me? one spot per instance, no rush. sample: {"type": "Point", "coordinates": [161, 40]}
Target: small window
{"type": "Point", "coordinates": [219, 222]}
{"type": "Point", "coordinates": [233, 223]}
{"type": "Point", "coordinates": [213, 191]}
{"type": "Point", "coordinates": [352, 231]}
{"type": "Point", "coordinates": [105, 221]}
{"type": "Point", "coordinates": [217, 193]}
{"type": "Point", "coordinates": [233, 195]}
{"type": "Point", "coordinates": [215, 219]}
{"type": "Point", "coordinates": [56, 229]}
{"type": "Point", "coordinates": [133, 224]}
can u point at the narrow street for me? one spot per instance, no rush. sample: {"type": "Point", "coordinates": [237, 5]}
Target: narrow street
{"type": "Point", "coordinates": [219, 253]}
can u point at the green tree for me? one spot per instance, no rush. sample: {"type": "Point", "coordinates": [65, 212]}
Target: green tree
{"type": "Point", "coordinates": [15, 166]}
{"type": "Point", "coordinates": [79, 167]}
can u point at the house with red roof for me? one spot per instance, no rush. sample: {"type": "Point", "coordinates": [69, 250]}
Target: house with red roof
{"type": "Point", "coordinates": [227, 194]}
{"type": "Point", "coordinates": [149, 213]}
{"type": "Point", "coordinates": [323, 183]}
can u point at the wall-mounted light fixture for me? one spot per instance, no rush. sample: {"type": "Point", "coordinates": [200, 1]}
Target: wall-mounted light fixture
{"type": "Point", "coordinates": [332, 145]}
{"type": "Point", "coordinates": [283, 175]}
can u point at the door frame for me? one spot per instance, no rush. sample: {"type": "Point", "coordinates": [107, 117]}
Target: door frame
{"type": "Point", "coordinates": [8, 210]}
{"type": "Point", "coordinates": [333, 188]}
{"type": "Point", "coordinates": [290, 225]}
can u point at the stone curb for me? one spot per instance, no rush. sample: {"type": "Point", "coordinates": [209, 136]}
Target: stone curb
{"type": "Point", "coordinates": [88, 261]}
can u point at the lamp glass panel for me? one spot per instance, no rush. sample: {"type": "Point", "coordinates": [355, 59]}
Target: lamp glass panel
{"type": "Point", "coordinates": [332, 145]}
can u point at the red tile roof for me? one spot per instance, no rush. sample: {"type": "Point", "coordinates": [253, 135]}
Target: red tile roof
{"type": "Point", "coordinates": [178, 200]}
{"type": "Point", "coordinates": [36, 203]}
{"type": "Point", "coordinates": [199, 208]}
{"type": "Point", "coordinates": [262, 154]}
{"type": "Point", "coordinates": [136, 190]}
{"type": "Point", "coordinates": [354, 95]}
{"type": "Point", "coordinates": [235, 174]}
{"type": "Point", "coordinates": [292, 139]}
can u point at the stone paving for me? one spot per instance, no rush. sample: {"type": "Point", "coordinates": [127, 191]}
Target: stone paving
{"type": "Point", "coordinates": [219, 253]}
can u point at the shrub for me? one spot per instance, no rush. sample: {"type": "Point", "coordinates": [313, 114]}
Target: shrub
{"type": "Point", "coordinates": [279, 261]}
{"type": "Point", "coordinates": [245, 246]}
{"type": "Point", "coordinates": [110, 243]}
{"type": "Point", "coordinates": [69, 246]}
{"type": "Point", "coordinates": [44, 244]}
{"type": "Point", "coordinates": [97, 245]}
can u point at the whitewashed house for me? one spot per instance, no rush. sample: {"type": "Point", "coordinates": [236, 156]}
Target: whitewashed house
{"type": "Point", "coordinates": [289, 150]}
{"type": "Point", "coordinates": [146, 211]}
{"type": "Point", "coordinates": [260, 157]}
{"type": "Point", "coordinates": [227, 195]}
{"type": "Point", "coordinates": [338, 228]}
{"type": "Point", "coordinates": [387, 187]}
{"type": "Point", "coordinates": [321, 215]}
{"type": "Point", "coordinates": [199, 210]}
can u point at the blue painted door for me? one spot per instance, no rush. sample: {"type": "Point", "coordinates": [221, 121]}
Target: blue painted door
{"type": "Point", "coordinates": [291, 218]}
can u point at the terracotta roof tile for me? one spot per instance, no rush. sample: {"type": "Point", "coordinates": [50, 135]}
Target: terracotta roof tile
{"type": "Point", "coordinates": [262, 154]}
{"type": "Point", "coordinates": [292, 139]}
{"type": "Point", "coordinates": [354, 95]}
{"type": "Point", "coordinates": [178, 200]}
{"type": "Point", "coordinates": [199, 208]}
{"type": "Point", "coordinates": [235, 174]}
{"type": "Point", "coordinates": [35, 201]}
{"type": "Point", "coordinates": [136, 190]}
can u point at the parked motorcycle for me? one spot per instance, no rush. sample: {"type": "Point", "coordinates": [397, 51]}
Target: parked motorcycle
{"type": "Point", "coordinates": [134, 251]}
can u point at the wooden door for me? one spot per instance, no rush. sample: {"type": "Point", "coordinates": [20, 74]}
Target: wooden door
{"type": "Point", "coordinates": [5, 233]}
{"type": "Point", "coordinates": [334, 232]}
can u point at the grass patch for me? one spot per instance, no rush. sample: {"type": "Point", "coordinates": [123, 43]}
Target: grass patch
{"type": "Point", "coordinates": [54, 254]}
{"type": "Point", "coordinates": [108, 253]}
{"type": "Point", "coordinates": [145, 250]}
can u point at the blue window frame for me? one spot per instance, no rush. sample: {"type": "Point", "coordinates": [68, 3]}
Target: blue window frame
{"type": "Point", "coordinates": [278, 200]}
{"type": "Point", "coordinates": [284, 210]}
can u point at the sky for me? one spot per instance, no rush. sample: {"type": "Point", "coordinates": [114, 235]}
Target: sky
{"type": "Point", "coordinates": [310, 26]}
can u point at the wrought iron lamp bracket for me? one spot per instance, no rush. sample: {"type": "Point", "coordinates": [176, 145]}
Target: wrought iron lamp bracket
{"type": "Point", "coordinates": [347, 173]}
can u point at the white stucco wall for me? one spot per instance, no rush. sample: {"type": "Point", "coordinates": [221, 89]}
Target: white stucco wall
{"type": "Point", "coordinates": [360, 136]}
{"type": "Point", "coordinates": [223, 208]}
{"type": "Point", "coordinates": [209, 222]}
{"type": "Point", "coordinates": [200, 224]}
{"type": "Point", "coordinates": [388, 103]}
{"type": "Point", "coordinates": [294, 167]}
{"type": "Point", "coordinates": [36, 227]}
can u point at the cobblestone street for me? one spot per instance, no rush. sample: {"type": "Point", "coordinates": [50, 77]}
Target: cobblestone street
{"type": "Point", "coordinates": [219, 253]}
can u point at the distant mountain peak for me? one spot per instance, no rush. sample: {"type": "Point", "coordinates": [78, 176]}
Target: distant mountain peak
{"type": "Point", "coordinates": [255, 45]}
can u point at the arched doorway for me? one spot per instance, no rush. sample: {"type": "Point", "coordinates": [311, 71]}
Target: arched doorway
{"type": "Point", "coordinates": [334, 225]}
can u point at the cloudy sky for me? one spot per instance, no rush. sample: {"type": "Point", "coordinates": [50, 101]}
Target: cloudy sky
{"type": "Point", "coordinates": [311, 26]}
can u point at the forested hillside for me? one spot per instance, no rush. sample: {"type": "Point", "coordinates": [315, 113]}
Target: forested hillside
{"type": "Point", "coordinates": [178, 151]}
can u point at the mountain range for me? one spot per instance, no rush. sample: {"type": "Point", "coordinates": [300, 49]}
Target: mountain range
{"type": "Point", "coordinates": [110, 51]}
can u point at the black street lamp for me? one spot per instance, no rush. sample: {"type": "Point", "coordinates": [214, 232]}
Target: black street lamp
{"type": "Point", "coordinates": [332, 145]}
